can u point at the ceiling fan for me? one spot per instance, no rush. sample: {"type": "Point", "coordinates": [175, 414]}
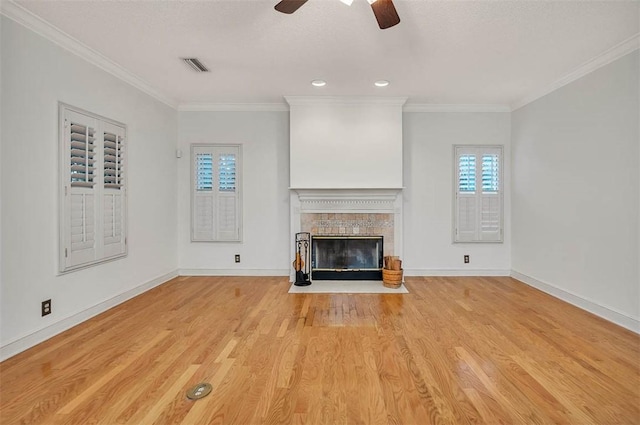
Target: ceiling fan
{"type": "Point", "coordinates": [384, 10]}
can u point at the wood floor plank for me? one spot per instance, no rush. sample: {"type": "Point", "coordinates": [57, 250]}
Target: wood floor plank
{"type": "Point", "coordinates": [69, 407]}
{"type": "Point", "coordinates": [175, 391]}
{"type": "Point", "coordinates": [455, 350]}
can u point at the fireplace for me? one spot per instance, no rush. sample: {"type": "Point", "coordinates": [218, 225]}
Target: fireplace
{"type": "Point", "coordinates": [346, 257]}
{"type": "Point", "coordinates": [353, 213]}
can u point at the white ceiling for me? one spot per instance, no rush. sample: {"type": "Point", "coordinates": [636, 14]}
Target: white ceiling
{"type": "Point", "coordinates": [442, 52]}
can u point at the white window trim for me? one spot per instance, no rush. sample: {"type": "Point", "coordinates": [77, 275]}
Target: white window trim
{"type": "Point", "coordinates": [454, 235]}
{"type": "Point", "coordinates": [64, 190]}
{"type": "Point", "coordinates": [192, 171]}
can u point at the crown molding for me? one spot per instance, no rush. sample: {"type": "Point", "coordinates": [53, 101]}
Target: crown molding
{"type": "Point", "coordinates": [616, 52]}
{"type": "Point", "coordinates": [233, 107]}
{"type": "Point", "coordinates": [435, 107]}
{"type": "Point", "coordinates": [282, 107]}
{"type": "Point", "coordinates": [22, 16]}
{"type": "Point", "coordinates": [345, 100]}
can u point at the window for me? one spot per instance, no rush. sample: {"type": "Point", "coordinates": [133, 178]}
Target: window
{"type": "Point", "coordinates": [92, 189]}
{"type": "Point", "coordinates": [215, 202]}
{"type": "Point", "coordinates": [478, 194]}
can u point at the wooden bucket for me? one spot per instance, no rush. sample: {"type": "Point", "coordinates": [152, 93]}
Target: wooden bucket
{"type": "Point", "coordinates": [392, 278]}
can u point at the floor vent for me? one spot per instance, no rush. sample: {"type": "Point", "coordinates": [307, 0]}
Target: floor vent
{"type": "Point", "coordinates": [199, 391]}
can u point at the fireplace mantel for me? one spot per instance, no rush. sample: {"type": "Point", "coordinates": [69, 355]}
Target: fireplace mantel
{"type": "Point", "coordinates": [347, 201]}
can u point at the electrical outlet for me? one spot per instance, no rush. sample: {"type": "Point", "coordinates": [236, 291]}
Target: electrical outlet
{"type": "Point", "coordinates": [466, 259]}
{"type": "Point", "coordinates": [46, 307]}
{"type": "Point", "coordinates": [237, 258]}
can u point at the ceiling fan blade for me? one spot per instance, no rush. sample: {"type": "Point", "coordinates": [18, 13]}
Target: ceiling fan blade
{"type": "Point", "coordinates": [289, 6]}
{"type": "Point", "coordinates": [386, 14]}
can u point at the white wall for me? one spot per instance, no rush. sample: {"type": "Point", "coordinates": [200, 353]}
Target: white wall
{"type": "Point", "coordinates": [1, 107]}
{"type": "Point", "coordinates": [36, 74]}
{"type": "Point", "coordinates": [265, 245]}
{"type": "Point", "coordinates": [428, 159]}
{"type": "Point", "coordinates": [346, 143]}
{"type": "Point", "coordinates": [576, 240]}
{"type": "Point", "coordinates": [428, 196]}
{"type": "Point", "coordinates": [575, 192]}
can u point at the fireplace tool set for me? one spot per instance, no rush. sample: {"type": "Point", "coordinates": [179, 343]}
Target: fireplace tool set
{"type": "Point", "coordinates": [301, 262]}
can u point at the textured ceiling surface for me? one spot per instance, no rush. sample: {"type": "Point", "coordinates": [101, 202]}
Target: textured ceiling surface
{"type": "Point", "coordinates": [451, 52]}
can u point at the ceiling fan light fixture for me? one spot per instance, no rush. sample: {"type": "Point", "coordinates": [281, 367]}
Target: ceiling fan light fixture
{"type": "Point", "coordinates": [318, 83]}
{"type": "Point", "coordinates": [385, 13]}
{"type": "Point", "coordinates": [381, 83]}
{"type": "Point", "coordinates": [384, 10]}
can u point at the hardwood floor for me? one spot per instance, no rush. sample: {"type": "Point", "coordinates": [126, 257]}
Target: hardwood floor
{"type": "Point", "coordinates": [453, 351]}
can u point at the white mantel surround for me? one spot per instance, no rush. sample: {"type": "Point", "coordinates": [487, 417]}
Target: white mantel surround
{"type": "Point", "coordinates": [346, 157]}
{"type": "Point", "coordinates": [350, 201]}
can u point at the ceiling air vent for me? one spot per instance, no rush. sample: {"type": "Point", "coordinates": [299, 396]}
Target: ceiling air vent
{"type": "Point", "coordinates": [195, 64]}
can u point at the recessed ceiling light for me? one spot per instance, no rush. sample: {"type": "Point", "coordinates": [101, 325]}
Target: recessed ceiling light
{"type": "Point", "coordinates": [381, 83]}
{"type": "Point", "coordinates": [319, 83]}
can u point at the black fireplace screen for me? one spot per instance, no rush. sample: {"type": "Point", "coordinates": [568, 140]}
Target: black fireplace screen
{"type": "Point", "coordinates": [346, 257]}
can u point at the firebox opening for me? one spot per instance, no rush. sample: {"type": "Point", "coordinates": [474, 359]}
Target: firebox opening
{"type": "Point", "coordinates": [346, 257]}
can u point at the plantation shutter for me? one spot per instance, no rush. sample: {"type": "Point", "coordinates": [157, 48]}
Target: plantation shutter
{"type": "Point", "coordinates": [113, 190]}
{"type": "Point", "coordinates": [478, 194]}
{"type": "Point", "coordinates": [466, 199]}
{"type": "Point", "coordinates": [490, 196]}
{"type": "Point", "coordinates": [92, 189]}
{"type": "Point", "coordinates": [227, 207]}
{"type": "Point", "coordinates": [203, 197]}
{"type": "Point", "coordinates": [216, 196]}
{"type": "Point", "coordinates": [79, 203]}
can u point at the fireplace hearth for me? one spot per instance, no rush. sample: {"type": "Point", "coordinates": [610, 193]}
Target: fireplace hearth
{"type": "Point", "coordinates": [346, 257]}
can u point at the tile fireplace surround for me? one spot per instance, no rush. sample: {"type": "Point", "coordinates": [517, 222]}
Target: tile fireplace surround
{"type": "Point", "coordinates": [348, 212]}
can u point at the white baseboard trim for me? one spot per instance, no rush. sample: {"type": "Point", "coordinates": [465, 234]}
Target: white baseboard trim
{"type": "Point", "coordinates": [456, 272]}
{"type": "Point", "coordinates": [607, 313]}
{"type": "Point", "coordinates": [233, 272]}
{"type": "Point", "coordinates": [25, 342]}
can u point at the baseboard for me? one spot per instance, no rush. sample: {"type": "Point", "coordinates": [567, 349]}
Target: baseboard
{"type": "Point", "coordinates": [233, 272]}
{"type": "Point", "coordinates": [286, 272]}
{"type": "Point", "coordinates": [25, 342]}
{"type": "Point", "coordinates": [607, 313]}
{"type": "Point", "coordinates": [456, 272]}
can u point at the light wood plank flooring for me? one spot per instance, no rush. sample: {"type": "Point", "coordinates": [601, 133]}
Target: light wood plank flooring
{"type": "Point", "coordinates": [453, 351]}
